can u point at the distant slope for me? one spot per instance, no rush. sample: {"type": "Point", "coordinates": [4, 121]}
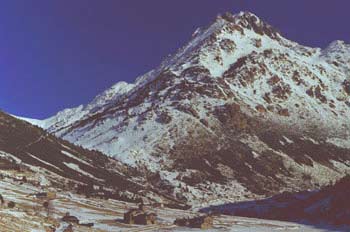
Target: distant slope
{"type": "Point", "coordinates": [329, 205]}
{"type": "Point", "coordinates": [35, 122]}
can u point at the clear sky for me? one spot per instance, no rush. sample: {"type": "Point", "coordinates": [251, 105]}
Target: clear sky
{"type": "Point", "coordinates": [56, 54]}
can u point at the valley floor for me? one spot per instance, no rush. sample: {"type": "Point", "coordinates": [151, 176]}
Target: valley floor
{"type": "Point", "coordinates": [30, 216]}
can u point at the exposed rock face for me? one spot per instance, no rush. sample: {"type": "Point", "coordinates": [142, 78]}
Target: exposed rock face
{"type": "Point", "coordinates": [239, 111]}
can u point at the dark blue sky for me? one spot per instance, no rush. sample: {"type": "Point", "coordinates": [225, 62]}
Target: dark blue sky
{"type": "Point", "coordinates": [61, 53]}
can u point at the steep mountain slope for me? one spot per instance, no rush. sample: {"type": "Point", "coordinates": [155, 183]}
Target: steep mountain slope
{"type": "Point", "coordinates": [239, 111]}
{"type": "Point", "coordinates": [25, 146]}
{"type": "Point", "coordinates": [27, 150]}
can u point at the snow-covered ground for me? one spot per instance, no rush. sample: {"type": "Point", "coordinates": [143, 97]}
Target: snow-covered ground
{"type": "Point", "coordinates": [30, 216]}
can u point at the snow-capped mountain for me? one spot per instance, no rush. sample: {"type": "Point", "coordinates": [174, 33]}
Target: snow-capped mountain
{"type": "Point", "coordinates": [239, 111]}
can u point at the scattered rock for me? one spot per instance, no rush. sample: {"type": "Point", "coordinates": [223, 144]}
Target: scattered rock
{"type": "Point", "coordinates": [260, 108]}
{"type": "Point", "coordinates": [284, 112]}
{"type": "Point", "coordinates": [70, 219]}
{"type": "Point", "coordinates": [346, 86]}
{"type": "Point", "coordinates": [202, 222]}
{"type": "Point", "coordinates": [11, 204]}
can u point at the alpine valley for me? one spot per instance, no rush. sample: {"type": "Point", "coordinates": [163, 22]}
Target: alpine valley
{"type": "Point", "coordinates": [238, 113]}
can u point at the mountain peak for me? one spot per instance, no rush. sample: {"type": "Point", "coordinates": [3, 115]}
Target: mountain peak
{"type": "Point", "coordinates": [228, 97]}
{"type": "Point", "coordinates": [338, 54]}
{"type": "Point", "coordinates": [338, 45]}
{"type": "Point", "coordinates": [241, 15]}
{"type": "Point", "coordinates": [112, 93]}
{"type": "Point", "coordinates": [250, 21]}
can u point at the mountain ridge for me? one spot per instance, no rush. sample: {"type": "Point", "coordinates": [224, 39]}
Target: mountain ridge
{"type": "Point", "coordinates": [213, 117]}
{"type": "Point", "coordinates": [334, 47]}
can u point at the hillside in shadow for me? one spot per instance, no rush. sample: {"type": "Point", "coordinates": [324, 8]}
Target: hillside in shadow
{"type": "Point", "coordinates": [328, 208]}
